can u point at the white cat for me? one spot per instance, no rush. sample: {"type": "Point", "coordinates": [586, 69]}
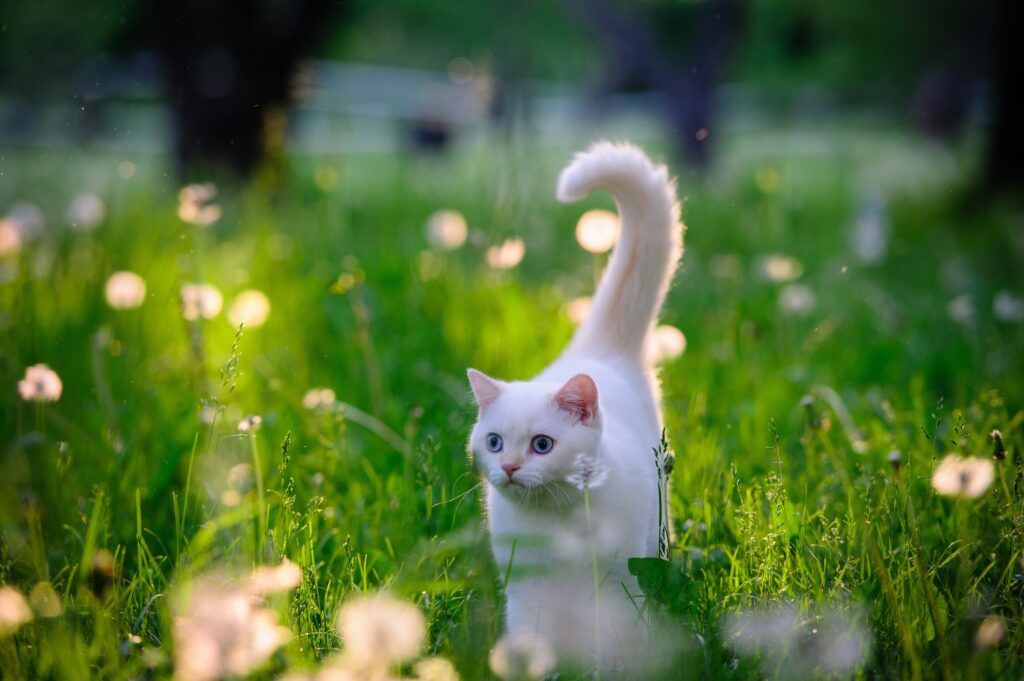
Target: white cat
{"type": "Point", "coordinates": [591, 419]}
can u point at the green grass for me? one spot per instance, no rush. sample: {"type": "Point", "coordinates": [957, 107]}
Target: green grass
{"type": "Point", "coordinates": [772, 500]}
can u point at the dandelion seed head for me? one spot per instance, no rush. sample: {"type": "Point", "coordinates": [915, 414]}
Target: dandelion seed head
{"type": "Point", "coordinates": [588, 472]}
{"type": "Point", "coordinates": [378, 630]}
{"type": "Point", "coordinates": [750, 631]}
{"type": "Point", "coordinates": [10, 239]}
{"type": "Point", "coordinates": [797, 300]}
{"type": "Point", "coordinates": [41, 384]}
{"type": "Point", "coordinates": [250, 308]}
{"type": "Point", "coordinates": [871, 229]}
{"type": "Point", "coordinates": [14, 610]}
{"type": "Point", "coordinates": [447, 230]}
{"type": "Point", "coordinates": [125, 290]}
{"type": "Point", "coordinates": [780, 268]}
{"type": "Point", "coordinates": [507, 255]}
{"type": "Point", "coordinates": [220, 630]}
{"type": "Point", "coordinates": [200, 301]}
{"type": "Point", "coordinates": [806, 644]}
{"type": "Point", "coordinates": [269, 580]}
{"type": "Point", "coordinates": [197, 193]}
{"type": "Point", "coordinates": [665, 343]}
{"type": "Point", "coordinates": [319, 398]}
{"type": "Point", "coordinates": [522, 655]}
{"type": "Point", "coordinates": [85, 212]}
{"type": "Point", "coordinates": [968, 477]}
{"type": "Point", "coordinates": [576, 310]}
{"type": "Point", "coordinates": [990, 633]}
{"type": "Point", "coordinates": [195, 204]}
{"type": "Point", "coordinates": [250, 424]}
{"type": "Point", "coordinates": [961, 310]}
{"type": "Point", "coordinates": [240, 477]}
{"type": "Point", "coordinates": [1005, 306]}
{"type": "Point", "coordinates": [597, 231]}
{"type": "Point", "coordinates": [27, 218]}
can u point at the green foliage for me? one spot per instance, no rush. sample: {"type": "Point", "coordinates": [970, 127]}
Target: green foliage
{"type": "Point", "coordinates": [119, 493]}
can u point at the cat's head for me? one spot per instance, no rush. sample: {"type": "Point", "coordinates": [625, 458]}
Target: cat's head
{"type": "Point", "coordinates": [528, 434]}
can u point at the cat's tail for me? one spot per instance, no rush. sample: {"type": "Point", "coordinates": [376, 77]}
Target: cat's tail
{"type": "Point", "coordinates": [650, 244]}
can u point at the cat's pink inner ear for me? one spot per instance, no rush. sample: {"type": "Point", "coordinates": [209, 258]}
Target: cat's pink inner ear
{"type": "Point", "coordinates": [485, 388]}
{"type": "Point", "coordinates": [578, 397]}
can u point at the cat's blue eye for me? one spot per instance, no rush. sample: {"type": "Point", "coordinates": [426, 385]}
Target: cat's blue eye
{"type": "Point", "coordinates": [494, 442]}
{"type": "Point", "coordinates": [541, 444]}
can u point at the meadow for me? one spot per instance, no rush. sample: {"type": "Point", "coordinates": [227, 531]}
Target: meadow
{"type": "Point", "coordinates": [853, 314]}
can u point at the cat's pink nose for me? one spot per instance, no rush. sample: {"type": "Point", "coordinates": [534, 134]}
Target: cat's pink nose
{"type": "Point", "coordinates": [509, 469]}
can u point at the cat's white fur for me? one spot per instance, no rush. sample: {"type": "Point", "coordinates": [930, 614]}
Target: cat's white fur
{"type": "Point", "coordinates": [599, 402]}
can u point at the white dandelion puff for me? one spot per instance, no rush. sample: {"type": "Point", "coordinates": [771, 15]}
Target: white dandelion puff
{"type": "Point", "coordinates": [991, 631]}
{"type": "Point", "coordinates": [968, 477]}
{"type": "Point", "coordinates": [588, 472]}
{"type": "Point", "coordinates": [1008, 307]}
{"type": "Point", "coordinates": [961, 310]}
{"type": "Point", "coordinates": [780, 268]}
{"type": "Point", "coordinates": [230, 498]}
{"type": "Point", "coordinates": [576, 310]}
{"type": "Point", "coordinates": [597, 231]}
{"type": "Point", "coordinates": [522, 655]}
{"type": "Point", "coordinates": [751, 631]}
{"type": "Point", "coordinates": [268, 580]}
{"type": "Point", "coordinates": [10, 239]}
{"type": "Point", "coordinates": [240, 477]}
{"type": "Point", "coordinates": [797, 300]}
{"type": "Point", "coordinates": [249, 308]}
{"type": "Point", "coordinates": [85, 212]}
{"type": "Point", "coordinates": [220, 631]}
{"type": "Point", "coordinates": [27, 218]}
{"type": "Point", "coordinates": [871, 229]}
{"type": "Point", "coordinates": [318, 398]}
{"type": "Point", "coordinates": [125, 290]}
{"type": "Point", "coordinates": [41, 384]}
{"type": "Point", "coordinates": [664, 343]}
{"type": "Point", "coordinates": [200, 301]}
{"type": "Point", "coordinates": [195, 204]}
{"type": "Point", "coordinates": [806, 644]}
{"type": "Point", "coordinates": [380, 631]}
{"type": "Point", "coordinates": [507, 255]}
{"type": "Point", "coordinates": [208, 415]}
{"type": "Point", "coordinates": [447, 230]}
{"type": "Point", "coordinates": [14, 610]}
{"type": "Point", "coordinates": [250, 424]}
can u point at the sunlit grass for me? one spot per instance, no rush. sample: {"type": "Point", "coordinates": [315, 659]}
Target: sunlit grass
{"type": "Point", "coordinates": [783, 412]}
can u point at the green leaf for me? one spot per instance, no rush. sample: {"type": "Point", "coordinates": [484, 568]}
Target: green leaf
{"type": "Point", "coordinates": [665, 584]}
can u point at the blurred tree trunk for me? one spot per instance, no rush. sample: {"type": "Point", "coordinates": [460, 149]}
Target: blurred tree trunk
{"type": "Point", "coordinates": [1005, 160]}
{"type": "Point", "coordinates": [229, 67]}
{"type": "Point", "coordinates": [678, 49]}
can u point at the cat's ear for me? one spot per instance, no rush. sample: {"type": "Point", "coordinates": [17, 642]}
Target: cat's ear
{"type": "Point", "coordinates": [485, 388]}
{"type": "Point", "coordinates": [578, 397]}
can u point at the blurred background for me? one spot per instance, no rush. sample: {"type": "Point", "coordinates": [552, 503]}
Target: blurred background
{"type": "Point", "coordinates": [236, 85]}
